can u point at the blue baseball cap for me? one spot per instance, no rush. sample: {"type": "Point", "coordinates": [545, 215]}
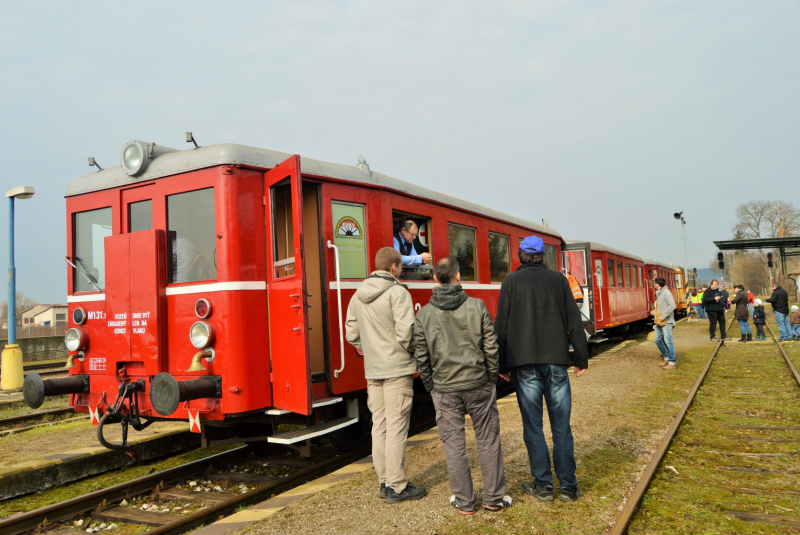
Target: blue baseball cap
{"type": "Point", "coordinates": [532, 244]}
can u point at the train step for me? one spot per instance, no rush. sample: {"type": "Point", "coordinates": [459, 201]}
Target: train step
{"type": "Point", "coordinates": [315, 404]}
{"type": "Point", "coordinates": [299, 435]}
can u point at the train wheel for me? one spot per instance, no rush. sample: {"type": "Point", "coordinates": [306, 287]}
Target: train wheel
{"type": "Point", "coordinates": [356, 436]}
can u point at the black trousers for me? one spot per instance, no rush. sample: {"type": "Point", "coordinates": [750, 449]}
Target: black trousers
{"type": "Point", "coordinates": [715, 316]}
{"type": "Point", "coordinates": [759, 329]}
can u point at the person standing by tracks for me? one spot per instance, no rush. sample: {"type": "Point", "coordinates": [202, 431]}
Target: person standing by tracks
{"type": "Point", "coordinates": [794, 322]}
{"type": "Point", "coordinates": [665, 321]}
{"type": "Point", "coordinates": [698, 302]}
{"type": "Point", "coordinates": [780, 306]}
{"type": "Point", "coordinates": [759, 319]}
{"type": "Point", "coordinates": [750, 299]}
{"type": "Point", "coordinates": [456, 349]}
{"type": "Point", "coordinates": [741, 313]}
{"type": "Point", "coordinates": [380, 323]}
{"type": "Point", "coordinates": [537, 320]}
{"type": "Point", "coordinates": [714, 306]}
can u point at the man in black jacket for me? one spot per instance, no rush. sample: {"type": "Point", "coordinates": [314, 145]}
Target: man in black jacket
{"type": "Point", "coordinates": [537, 321]}
{"type": "Point", "coordinates": [780, 305]}
{"type": "Point", "coordinates": [714, 305]}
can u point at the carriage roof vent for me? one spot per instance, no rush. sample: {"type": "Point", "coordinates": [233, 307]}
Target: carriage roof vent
{"type": "Point", "coordinates": [363, 166]}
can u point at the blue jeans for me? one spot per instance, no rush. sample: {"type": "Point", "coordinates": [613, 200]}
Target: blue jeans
{"type": "Point", "coordinates": [664, 342]}
{"type": "Point", "coordinates": [744, 327]}
{"type": "Point", "coordinates": [796, 330]}
{"type": "Point", "coordinates": [750, 309]}
{"type": "Point", "coordinates": [783, 325]}
{"type": "Point", "coordinates": [551, 382]}
{"type": "Point", "coordinates": [700, 311]}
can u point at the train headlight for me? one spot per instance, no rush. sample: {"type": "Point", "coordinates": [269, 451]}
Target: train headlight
{"type": "Point", "coordinates": [76, 339]}
{"type": "Point", "coordinates": [202, 334]}
{"type": "Point", "coordinates": [134, 157]}
{"type": "Point", "coordinates": [202, 308]}
{"type": "Point", "coordinates": [79, 316]}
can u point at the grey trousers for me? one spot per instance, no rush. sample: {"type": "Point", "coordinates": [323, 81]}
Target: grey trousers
{"type": "Point", "coordinates": [481, 405]}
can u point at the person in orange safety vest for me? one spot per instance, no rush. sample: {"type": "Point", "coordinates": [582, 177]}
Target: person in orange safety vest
{"type": "Point", "coordinates": [577, 293]}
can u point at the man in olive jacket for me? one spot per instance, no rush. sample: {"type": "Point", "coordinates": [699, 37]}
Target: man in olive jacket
{"type": "Point", "coordinates": [380, 323]}
{"type": "Point", "coordinates": [537, 321]}
{"type": "Point", "coordinates": [456, 349]}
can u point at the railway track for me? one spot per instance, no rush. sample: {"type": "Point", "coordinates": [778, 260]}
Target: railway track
{"type": "Point", "coordinates": [742, 370]}
{"type": "Point", "coordinates": [172, 489]}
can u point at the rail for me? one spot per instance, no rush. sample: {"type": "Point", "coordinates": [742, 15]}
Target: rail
{"type": "Point", "coordinates": [339, 302]}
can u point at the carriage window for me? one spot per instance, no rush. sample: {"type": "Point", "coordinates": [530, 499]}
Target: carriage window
{"type": "Point", "coordinates": [191, 235]}
{"type": "Point", "coordinates": [413, 268]}
{"type": "Point", "coordinates": [89, 256]}
{"type": "Point", "coordinates": [550, 257]}
{"type": "Point", "coordinates": [598, 272]}
{"type": "Point", "coordinates": [140, 216]}
{"type": "Point", "coordinates": [641, 282]}
{"type": "Point", "coordinates": [499, 261]}
{"type": "Point", "coordinates": [575, 265]}
{"type": "Point", "coordinates": [627, 275]}
{"type": "Point", "coordinates": [462, 248]}
{"type": "Point", "coordinates": [350, 237]}
{"type": "Point", "coordinates": [620, 280]}
{"type": "Point", "coordinates": [610, 273]}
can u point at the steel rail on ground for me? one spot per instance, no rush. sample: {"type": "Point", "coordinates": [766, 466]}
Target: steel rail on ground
{"type": "Point", "coordinates": [785, 356]}
{"type": "Point", "coordinates": [629, 509]}
{"type": "Point", "coordinates": [35, 416]}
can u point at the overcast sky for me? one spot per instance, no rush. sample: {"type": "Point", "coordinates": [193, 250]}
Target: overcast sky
{"type": "Point", "coordinates": [603, 118]}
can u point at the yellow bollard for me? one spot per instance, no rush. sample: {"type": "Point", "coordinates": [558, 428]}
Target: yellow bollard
{"type": "Point", "coordinates": [11, 375]}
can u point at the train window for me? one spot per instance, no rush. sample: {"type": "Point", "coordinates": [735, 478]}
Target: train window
{"type": "Point", "coordinates": [191, 233]}
{"type": "Point", "coordinates": [499, 261]}
{"type": "Point", "coordinates": [462, 248]}
{"type": "Point", "coordinates": [140, 216]}
{"type": "Point", "coordinates": [413, 268]}
{"type": "Point", "coordinates": [620, 280]}
{"type": "Point", "coordinates": [649, 277]}
{"type": "Point", "coordinates": [575, 265]}
{"type": "Point", "coordinates": [598, 272]}
{"type": "Point", "coordinates": [641, 282]}
{"type": "Point", "coordinates": [551, 257]}
{"type": "Point", "coordinates": [610, 273]}
{"type": "Point", "coordinates": [627, 275]}
{"type": "Point", "coordinates": [350, 236]}
{"type": "Point", "coordinates": [90, 228]}
{"type": "Point", "coordinates": [282, 230]}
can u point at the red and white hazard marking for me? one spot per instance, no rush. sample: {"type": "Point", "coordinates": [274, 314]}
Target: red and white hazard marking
{"type": "Point", "coordinates": [94, 412]}
{"type": "Point", "coordinates": [194, 421]}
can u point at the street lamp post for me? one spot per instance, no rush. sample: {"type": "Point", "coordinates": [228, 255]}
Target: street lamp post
{"type": "Point", "coordinates": [11, 374]}
{"type": "Point", "coordinates": [679, 216]}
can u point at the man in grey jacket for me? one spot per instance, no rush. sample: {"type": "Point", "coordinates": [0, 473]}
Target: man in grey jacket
{"type": "Point", "coordinates": [456, 348]}
{"type": "Point", "coordinates": [380, 323]}
{"type": "Point", "coordinates": [665, 315]}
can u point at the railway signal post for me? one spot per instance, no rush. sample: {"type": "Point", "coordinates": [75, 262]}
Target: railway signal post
{"type": "Point", "coordinates": [12, 375]}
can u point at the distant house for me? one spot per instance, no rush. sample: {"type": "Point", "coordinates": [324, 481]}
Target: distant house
{"type": "Point", "coordinates": [45, 315]}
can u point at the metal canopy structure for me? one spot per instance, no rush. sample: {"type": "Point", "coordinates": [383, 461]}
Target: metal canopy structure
{"type": "Point", "coordinates": [781, 244]}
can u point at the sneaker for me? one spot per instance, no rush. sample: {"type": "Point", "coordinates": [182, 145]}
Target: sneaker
{"type": "Point", "coordinates": [459, 509]}
{"type": "Point", "coordinates": [409, 493]}
{"type": "Point", "coordinates": [505, 503]}
{"type": "Point", "coordinates": [382, 492]}
{"type": "Point", "coordinates": [544, 494]}
{"type": "Point", "coordinates": [569, 495]}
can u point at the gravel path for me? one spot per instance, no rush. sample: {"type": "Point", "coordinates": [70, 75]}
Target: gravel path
{"type": "Point", "coordinates": [353, 507]}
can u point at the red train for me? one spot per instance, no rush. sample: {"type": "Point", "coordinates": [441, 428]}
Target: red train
{"type": "Point", "coordinates": [209, 285]}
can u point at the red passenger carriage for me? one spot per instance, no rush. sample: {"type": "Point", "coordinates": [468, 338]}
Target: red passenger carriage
{"type": "Point", "coordinates": [209, 285]}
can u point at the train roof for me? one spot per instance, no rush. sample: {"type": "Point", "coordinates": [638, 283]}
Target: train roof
{"type": "Point", "coordinates": [604, 248]}
{"type": "Point", "coordinates": [654, 262]}
{"type": "Point", "coordinates": [182, 161]}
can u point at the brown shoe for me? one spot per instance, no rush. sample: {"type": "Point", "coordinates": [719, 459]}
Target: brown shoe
{"type": "Point", "coordinates": [665, 363]}
{"type": "Point", "coordinates": [670, 367]}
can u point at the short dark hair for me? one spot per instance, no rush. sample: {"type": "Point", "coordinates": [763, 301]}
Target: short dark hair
{"type": "Point", "coordinates": [386, 257]}
{"type": "Point", "coordinates": [713, 281]}
{"type": "Point", "coordinates": [446, 270]}
{"type": "Point", "coordinates": [530, 258]}
{"type": "Point", "coordinates": [660, 281]}
{"type": "Point", "coordinates": [705, 286]}
{"type": "Point", "coordinates": [407, 225]}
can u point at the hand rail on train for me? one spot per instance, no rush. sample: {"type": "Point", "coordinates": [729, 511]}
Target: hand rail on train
{"type": "Point", "coordinates": [339, 299]}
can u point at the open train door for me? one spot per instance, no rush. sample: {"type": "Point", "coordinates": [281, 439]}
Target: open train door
{"type": "Point", "coordinates": [576, 258]}
{"type": "Point", "coordinates": [286, 286]}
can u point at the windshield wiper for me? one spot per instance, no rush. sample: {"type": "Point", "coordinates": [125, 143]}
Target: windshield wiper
{"type": "Point", "coordinates": [85, 271]}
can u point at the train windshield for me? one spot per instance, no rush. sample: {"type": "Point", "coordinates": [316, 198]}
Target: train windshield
{"type": "Point", "coordinates": [90, 229]}
{"type": "Point", "coordinates": [191, 233]}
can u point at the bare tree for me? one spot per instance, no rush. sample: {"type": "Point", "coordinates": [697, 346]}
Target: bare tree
{"type": "Point", "coordinates": [762, 219]}
{"type": "Point", "coordinates": [23, 303]}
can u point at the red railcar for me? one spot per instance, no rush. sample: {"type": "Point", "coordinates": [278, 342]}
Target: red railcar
{"type": "Point", "coordinates": [615, 297]}
{"type": "Point", "coordinates": [209, 285]}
